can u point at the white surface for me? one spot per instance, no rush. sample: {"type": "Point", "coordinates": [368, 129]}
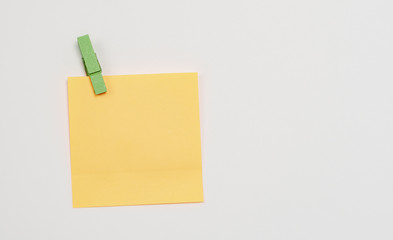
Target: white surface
{"type": "Point", "coordinates": [296, 101]}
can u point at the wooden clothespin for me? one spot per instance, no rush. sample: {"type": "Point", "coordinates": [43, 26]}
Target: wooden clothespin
{"type": "Point", "coordinates": [92, 66]}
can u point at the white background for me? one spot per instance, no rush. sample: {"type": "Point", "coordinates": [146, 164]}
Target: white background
{"type": "Point", "coordinates": [296, 104]}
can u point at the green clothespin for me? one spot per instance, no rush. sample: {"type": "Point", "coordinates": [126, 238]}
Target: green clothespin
{"type": "Point", "coordinates": [92, 66]}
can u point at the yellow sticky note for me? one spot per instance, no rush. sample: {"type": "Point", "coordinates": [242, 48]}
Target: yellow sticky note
{"type": "Point", "coordinates": [139, 143]}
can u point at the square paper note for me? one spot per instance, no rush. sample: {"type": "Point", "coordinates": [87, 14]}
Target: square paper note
{"type": "Point", "coordinates": [139, 143]}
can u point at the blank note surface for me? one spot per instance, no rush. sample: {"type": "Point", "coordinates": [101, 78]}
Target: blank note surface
{"type": "Point", "coordinates": [138, 143]}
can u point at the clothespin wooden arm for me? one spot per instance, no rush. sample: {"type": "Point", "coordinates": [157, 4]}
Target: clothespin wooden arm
{"type": "Point", "coordinates": [92, 66]}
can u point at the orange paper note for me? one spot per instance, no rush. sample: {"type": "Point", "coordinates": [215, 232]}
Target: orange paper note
{"type": "Point", "coordinates": [139, 143]}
